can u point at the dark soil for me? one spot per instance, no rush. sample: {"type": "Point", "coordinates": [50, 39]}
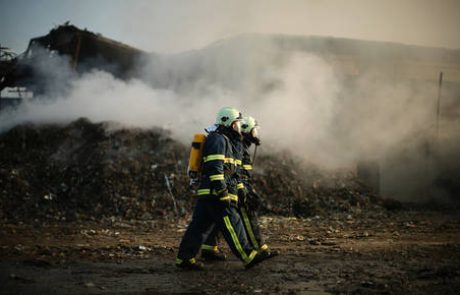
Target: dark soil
{"type": "Point", "coordinates": [97, 209]}
{"type": "Point", "coordinates": [398, 253]}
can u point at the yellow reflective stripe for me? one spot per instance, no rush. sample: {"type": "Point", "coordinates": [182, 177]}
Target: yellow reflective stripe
{"type": "Point", "coordinates": [248, 226]}
{"type": "Point", "coordinates": [221, 157]}
{"type": "Point", "coordinates": [214, 157]}
{"type": "Point", "coordinates": [240, 186]}
{"type": "Point", "coordinates": [230, 197]}
{"type": "Point", "coordinates": [264, 247]}
{"type": "Point", "coordinates": [247, 167]}
{"type": "Point", "coordinates": [209, 248]}
{"type": "Point", "coordinates": [234, 197]}
{"type": "Point", "coordinates": [192, 260]}
{"type": "Point", "coordinates": [216, 177]}
{"type": "Point", "coordinates": [236, 242]}
{"type": "Point", "coordinates": [251, 256]}
{"type": "Point", "coordinates": [204, 191]}
{"type": "Point", "coordinates": [229, 160]}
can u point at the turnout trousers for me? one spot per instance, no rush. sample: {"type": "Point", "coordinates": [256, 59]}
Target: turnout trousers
{"type": "Point", "coordinates": [248, 211]}
{"type": "Point", "coordinates": [248, 214]}
{"type": "Point", "coordinates": [226, 219]}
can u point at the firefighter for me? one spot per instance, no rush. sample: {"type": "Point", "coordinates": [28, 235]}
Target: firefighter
{"type": "Point", "coordinates": [209, 249]}
{"type": "Point", "coordinates": [217, 197]}
{"type": "Point", "coordinates": [250, 201]}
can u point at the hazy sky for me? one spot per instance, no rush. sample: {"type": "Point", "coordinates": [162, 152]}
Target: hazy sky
{"type": "Point", "coordinates": [175, 25]}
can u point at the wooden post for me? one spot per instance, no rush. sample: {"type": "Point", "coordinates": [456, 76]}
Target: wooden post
{"type": "Point", "coordinates": [438, 110]}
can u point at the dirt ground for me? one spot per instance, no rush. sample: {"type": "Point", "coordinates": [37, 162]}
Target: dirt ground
{"type": "Point", "coordinates": [407, 252]}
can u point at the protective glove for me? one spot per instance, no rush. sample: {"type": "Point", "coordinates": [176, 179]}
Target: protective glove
{"type": "Point", "coordinates": [194, 180]}
{"type": "Point", "coordinates": [193, 184]}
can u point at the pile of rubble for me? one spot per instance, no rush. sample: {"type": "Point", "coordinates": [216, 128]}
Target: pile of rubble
{"type": "Point", "coordinates": [293, 188]}
{"type": "Point", "coordinates": [86, 170]}
{"type": "Point", "coordinates": [94, 171]}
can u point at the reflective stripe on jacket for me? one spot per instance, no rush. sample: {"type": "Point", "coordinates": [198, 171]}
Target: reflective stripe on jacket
{"type": "Point", "coordinates": [246, 171]}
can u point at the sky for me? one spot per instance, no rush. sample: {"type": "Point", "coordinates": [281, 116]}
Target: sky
{"type": "Point", "coordinates": [170, 26]}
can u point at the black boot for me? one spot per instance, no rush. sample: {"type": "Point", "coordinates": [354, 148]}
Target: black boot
{"type": "Point", "coordinates": [190, 264]}
{"type": "Point", "coordinates": [213, 255]}
{"type": "Point", "coordinates": [256, 260]}
{"type": "Point", "coordinates": [269, 253]}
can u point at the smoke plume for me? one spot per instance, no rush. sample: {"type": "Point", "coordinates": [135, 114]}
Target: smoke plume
{"type": "Point", "coordinates": [302, 100]}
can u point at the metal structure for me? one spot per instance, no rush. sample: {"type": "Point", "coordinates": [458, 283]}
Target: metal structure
{"type": "Point", "coordinates": [7, 62]}
{"type": "Point", "coordinates": [84, 50]}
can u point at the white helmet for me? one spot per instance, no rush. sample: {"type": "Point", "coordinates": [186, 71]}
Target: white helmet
{"type": "Point", "coordinates": [227, 115]}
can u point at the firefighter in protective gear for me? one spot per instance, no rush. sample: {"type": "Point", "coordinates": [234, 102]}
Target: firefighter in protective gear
{"type": "Point", "coordinates": [217, 197]}
{"type": "Point", "coordinates": [250, 201]}
{"type": "Point", "coordinates": [209, 249]}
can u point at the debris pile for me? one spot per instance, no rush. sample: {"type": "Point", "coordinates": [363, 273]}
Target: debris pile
{"type": "Point", "coordinates": [293, 188]}
{"type": "Point", "coordinates": [93, 171]}
{"type": "Point", "coordinates": [86, 170]}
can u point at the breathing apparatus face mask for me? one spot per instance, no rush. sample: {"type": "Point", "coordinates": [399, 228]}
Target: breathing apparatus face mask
{"type": "Point", "coordinates": [237, 126]}
{"type": "Point", "coordinates": [255, 136]}
{"type": "Point", "coordinates": [255, 132]}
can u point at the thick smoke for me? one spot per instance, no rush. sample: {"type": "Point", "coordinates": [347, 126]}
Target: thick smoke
{"type": "Point", "coordinates": [303, 101]}
{"type": "Point", "coordinates": [154, 25]}
{"type": "Point", "coordinates": [98, 96]}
